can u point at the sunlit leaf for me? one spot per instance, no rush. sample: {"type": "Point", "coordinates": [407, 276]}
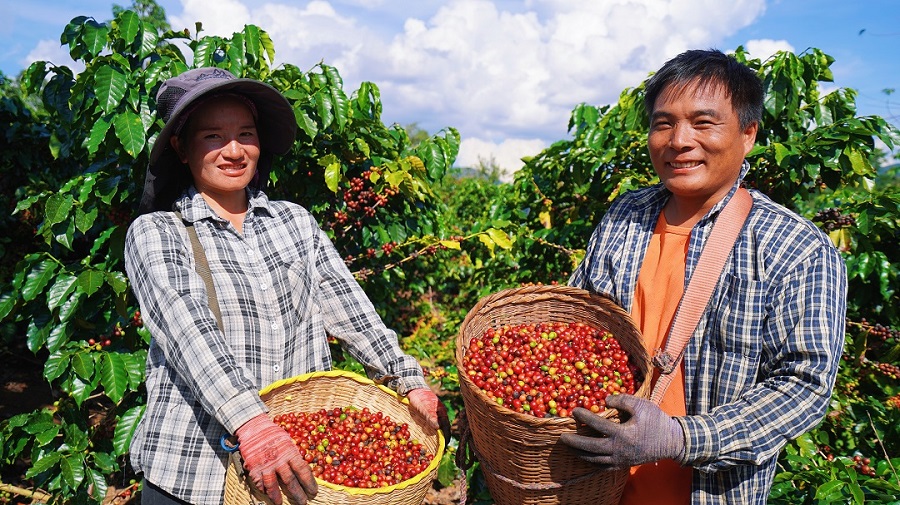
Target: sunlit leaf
{"type": "Point", "coordinates": [37, 279]}
{"type": "Point", "coordinates": [110, 86]}
{"type": "Point", "coordinates": [125, 427]}
{"type": "Point", "coordinates": [130, 132]}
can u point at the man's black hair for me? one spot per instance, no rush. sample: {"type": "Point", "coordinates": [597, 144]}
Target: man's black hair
{"type": "Point", "coordinates": [710, 67]}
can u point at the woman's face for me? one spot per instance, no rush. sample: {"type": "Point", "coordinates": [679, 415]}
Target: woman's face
{"type": "Point", "coordinates": [220, 144]}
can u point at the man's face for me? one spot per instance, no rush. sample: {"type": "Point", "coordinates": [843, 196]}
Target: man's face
{"type": "Point", "coordinates": [696, 142]}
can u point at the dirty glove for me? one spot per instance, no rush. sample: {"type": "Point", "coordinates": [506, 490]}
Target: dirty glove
{"type": "Point", "coordinates": [426, 403]}
{"type": "Point", "coordinates": [273, 460]}
{"type": "Point", "coordinates": [645, 434]}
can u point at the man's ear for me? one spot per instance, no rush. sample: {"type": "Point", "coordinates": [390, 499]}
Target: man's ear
{"type": "Point", "coordinates": [176, 145]}
{"type": "Point", "coordinates": [749, 136]}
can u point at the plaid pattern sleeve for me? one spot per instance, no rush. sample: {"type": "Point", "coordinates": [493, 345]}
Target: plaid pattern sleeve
{"type": "Point", "coordinates": [761, 365]}
{"type": "Point", "coordinates": [282, 290]}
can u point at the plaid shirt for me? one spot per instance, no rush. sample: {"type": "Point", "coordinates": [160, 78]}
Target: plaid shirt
{"type": "Point", "coordinates": [761, 365]}
{"type": "Point", "coordinates": [282, 288]}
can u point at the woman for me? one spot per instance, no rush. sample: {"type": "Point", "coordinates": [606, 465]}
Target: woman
{"type": "Point", "coordinates": [281, 287]}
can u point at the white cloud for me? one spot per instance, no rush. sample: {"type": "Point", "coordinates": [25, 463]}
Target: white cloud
{"type": "Point", "coordinates": [51, 51]}
{"type": "Point", "coordinates": [762, 49]}
{"type": "Point", "coordinates": [506, 155]}
{"type": "Point", "coordinates": [503, 72]}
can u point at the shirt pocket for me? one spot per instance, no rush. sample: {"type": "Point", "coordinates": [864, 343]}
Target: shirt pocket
{"type": "Point", "coordinates": [734, 334]}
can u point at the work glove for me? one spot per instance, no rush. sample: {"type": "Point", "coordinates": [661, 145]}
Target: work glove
{"type": "Point", "coordinates": [426, 403]}
{"type": "Point", "coordinates": [645, 434]}
{"type": "Point", "coordinates": [273, 461]}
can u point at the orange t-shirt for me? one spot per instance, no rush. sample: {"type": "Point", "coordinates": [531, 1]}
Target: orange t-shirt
{"type": "Point", "coordinates": [659, 289]}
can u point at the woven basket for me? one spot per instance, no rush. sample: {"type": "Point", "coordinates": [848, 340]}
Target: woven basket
{"type": "Point", "coordinates": [523, 461]}
{"type": "Point", "coordinates": [327, 390]}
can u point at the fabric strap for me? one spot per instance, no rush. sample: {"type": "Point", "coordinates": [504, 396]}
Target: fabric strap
{"type": "Point", "coordinates": [202, 267]}
{"type": "Point", "coordinates": [699, 290]}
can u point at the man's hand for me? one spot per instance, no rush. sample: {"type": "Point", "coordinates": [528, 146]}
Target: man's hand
{"type": "Point", "coordinates": [645, 434]}
{"type": "Point", "coordinates": [273, 460]}
{"type": "Point", "coordinates": [426, 403]}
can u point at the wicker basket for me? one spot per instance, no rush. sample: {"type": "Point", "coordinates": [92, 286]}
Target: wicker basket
{"type": "Point", "coordinates": [523, 461]}
{"type": "Point", "coordinates": [332, 389]}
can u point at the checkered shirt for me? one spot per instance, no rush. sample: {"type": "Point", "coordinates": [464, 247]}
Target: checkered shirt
{"type": "Point", "coordinates": [282, 289]}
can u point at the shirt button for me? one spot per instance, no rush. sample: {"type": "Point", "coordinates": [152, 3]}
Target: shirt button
{"type": "Point", "coordinates": [264, 286]}
{"type": "Point", "coordinates": [274, 325]}
{"type": "Point", "coordinates": [276, 368]}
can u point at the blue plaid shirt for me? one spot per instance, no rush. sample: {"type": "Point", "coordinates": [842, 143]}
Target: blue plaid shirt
{"type": "Point", "coordinates": [282, 288]}
{"type": "Point", "coordinates": [761, 365]}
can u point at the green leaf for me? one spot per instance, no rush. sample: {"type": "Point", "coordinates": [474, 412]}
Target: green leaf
{"type": "Point", "coordinates": [72, 469]}
{"type": "Point", "coordinates": [97, 135]}
{"type": "Point", "coordinates": [38, 278]}
{"type": "Point", "coordinates": [55, 365]}
{"type": "Point", "coordinates": [94, 36]}
{"type": "Point", "coordinates": [46, 435]}
{"type": "Point", "coordinates": [60, 291]}
{"type": "Point", "coordinates": [97, 481]}
{"type": "Point", "coordinates": [500, 238]}
{"type": "Point", "coordinates": [135, 365]}
{"type": "Point", "coordinates": [129, 25]}
{"type": "Point", "coordinates": [107, 188]}
{"type": "Point", "coordinates": [84, 220]}
{"type": "Point", "coordinates": [105, 462]}
{"type": "Point", "coordinates": [78, 389]}
{"type": "Point", "coordinates": [64, 233]}
{"type": "Point", "coordinates": [39, 426]}
{"type": "Point", "coordinates": [69, 305]}
{"type": "Point", "coordinates": [117, 281]}
{"type": "Point", "coordinates": [7, 303]}
{"type": "Point", "coordinates": [113, 376]}
{"type": "Point", "coordinates": [110, 86]}
{"type": "Point", "coordinates": [57, 208]}
{"type": "Point", "coordinates": [130, 132]}
{"type": "Point", "coordinates": [83, 364]}
{"type": "Point", "coordinates": [90, 281]}
{"type": "Point", "coordinates": [47, 461]}
{"type": "Point", "coordinates": [125, 427]}
{"type": "Point", "coordinates": [59, 334]}
{"type": "Point", "coordinates": [830, 491]}
{"type": "Point", "coordinates": [306, 123]}
{"type": "Point", "coordinates": [332, 171]}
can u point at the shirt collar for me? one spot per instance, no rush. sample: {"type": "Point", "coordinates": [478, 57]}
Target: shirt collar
{"type": "Point", "coordinates": [194, 208]}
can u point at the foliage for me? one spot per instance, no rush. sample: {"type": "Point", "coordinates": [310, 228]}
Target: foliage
{"type": "Point", "coordinates": [425, 241]}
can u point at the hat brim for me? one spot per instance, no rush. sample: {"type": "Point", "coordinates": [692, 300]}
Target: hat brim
{"type": "Point", "coordinates": [276, 124]}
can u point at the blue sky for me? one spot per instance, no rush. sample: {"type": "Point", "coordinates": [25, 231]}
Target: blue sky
{"type": "Point", "coordinates": [507, 73]}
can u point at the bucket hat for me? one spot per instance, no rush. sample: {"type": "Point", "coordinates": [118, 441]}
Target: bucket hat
{"type": "Point", "coordinates": [167, 176]}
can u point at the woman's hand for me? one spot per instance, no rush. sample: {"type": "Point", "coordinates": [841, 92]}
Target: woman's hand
{"type": "Point", "coordinates": [426, 403]}
{"type": "Point", "coordinates": [273, 460]}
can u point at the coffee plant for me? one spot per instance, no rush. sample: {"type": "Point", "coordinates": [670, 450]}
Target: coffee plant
{"type": "Point", "coordinates": [424, 240]}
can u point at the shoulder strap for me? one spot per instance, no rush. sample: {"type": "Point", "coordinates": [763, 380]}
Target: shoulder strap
{"type": "Point", "coordinates": [699, 290]}
{"type": "Point", "coordinates": [202, 267]}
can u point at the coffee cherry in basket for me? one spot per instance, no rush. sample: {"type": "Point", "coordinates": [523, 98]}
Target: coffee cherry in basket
{"type": "Point", "coordinates": [548, 369]}
{"type": "Point", "coordinates": [356, 448]}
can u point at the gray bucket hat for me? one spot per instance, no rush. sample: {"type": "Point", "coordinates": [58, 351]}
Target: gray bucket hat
{"type": "Point", "coordinates": [166, 175]}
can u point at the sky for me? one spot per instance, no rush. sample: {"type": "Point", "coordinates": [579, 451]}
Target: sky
{"type": "Point", "coordinates": [508, 73]}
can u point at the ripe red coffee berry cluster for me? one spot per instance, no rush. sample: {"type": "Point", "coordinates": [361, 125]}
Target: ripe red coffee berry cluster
{"type": "Point", "coordinates": [548, 369]}
{"type": "Point", "coordinates": [356, 448]}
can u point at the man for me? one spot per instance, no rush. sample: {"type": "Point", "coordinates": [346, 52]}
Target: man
{"type": "Point", "coordinates": [759, 369]}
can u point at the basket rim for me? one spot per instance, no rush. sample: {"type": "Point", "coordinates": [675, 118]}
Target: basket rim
{"type": "Point", "coordinates": [435, 461]}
